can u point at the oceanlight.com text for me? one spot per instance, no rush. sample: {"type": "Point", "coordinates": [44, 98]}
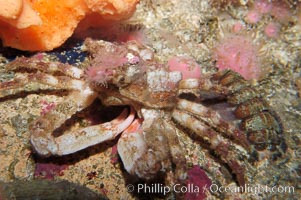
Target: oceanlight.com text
{"type": "Point", "coordinates": [252, 189]}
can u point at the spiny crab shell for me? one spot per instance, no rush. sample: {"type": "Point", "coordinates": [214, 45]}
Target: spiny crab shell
{"type": "Point", "coordinates": [158, 106]}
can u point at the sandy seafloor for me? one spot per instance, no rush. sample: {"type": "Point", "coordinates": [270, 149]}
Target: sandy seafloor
{"type": "Point", "coordinates": [173, 27]}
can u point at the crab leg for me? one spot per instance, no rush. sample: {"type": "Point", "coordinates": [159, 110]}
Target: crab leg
{"type": "Point", "coordinates": [142, 149]}
{"type": "Point", "coordinates": [176, 150]}
{"type": "Point", "coordinates": [42, 128]}
{"type": "Point", "coordinates": [50, 68]}
{"type": "Point", "coordinates": [223, 147]}
{"type": "Point", "coordinates": [213, 118]}
{"type": "Point", "coordinates": [143, 153]}
{"type": "Point", "coordinates": [46, 144]}
{"type": "Point", "coordinates": [83, 138]}
{"type": "Point", "coordinates": [23, 80]}
{"type": "Point", "coordinates": [203, 88]}
{"type": "Point", "coordinates": [131, 146]}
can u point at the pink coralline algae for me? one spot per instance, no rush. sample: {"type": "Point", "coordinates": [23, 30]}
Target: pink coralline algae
{"type": "Point", "coordinates": [198, 178]}
{"type": "Point", "coordinates": [49, 170]}
{"type": "Point", "coordinates": [238, 53]}
{"type": "Point", "coordinates": [46, 107]}
{"type": "Point", "coordinates": [186, 65]}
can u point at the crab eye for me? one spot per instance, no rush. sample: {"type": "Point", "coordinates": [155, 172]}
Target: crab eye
{"type": "Point", "coordinates": [121, 80]}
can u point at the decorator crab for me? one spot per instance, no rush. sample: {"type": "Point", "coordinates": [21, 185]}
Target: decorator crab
{"type": "Point", "coordinates": [158, 105]}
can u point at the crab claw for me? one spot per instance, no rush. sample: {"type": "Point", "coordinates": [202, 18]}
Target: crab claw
{"type": "Point", "coordinates": [143, 152]}
{"type": "Point", "coordinates": [72, 142]}
{"type": "Point", "coordinates": [131, 146]}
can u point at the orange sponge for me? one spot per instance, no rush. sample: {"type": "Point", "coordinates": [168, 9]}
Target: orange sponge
{"type": "Point", "coordinates": [38, 25]}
